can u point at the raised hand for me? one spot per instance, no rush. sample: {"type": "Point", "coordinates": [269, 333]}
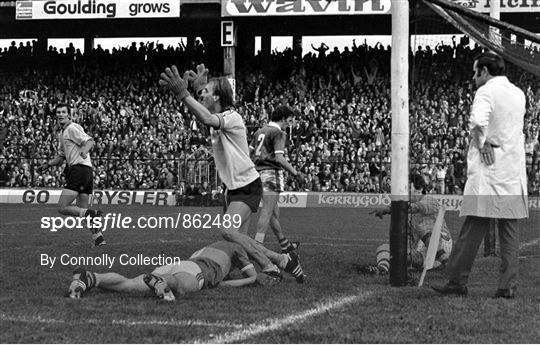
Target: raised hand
{"type": "Point", "coordinates": [171, 80]}
{"type": "Point", "coordinates": [200, 79]}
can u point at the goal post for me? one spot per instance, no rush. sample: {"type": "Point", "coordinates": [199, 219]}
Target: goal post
{"type": "Point", "coordinates": [400, 142]}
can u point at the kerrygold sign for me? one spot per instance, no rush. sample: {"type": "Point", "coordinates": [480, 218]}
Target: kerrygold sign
{"type": "Point", "coordinates": [233, 8]}
{"type": "Point", "coordinates": [97, 9]}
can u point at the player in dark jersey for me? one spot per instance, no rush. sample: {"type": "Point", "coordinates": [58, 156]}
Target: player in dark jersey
{"type": "Point", "coordinates": [205, 269]}
{"type": "Point", "coordinates": [268, 148]}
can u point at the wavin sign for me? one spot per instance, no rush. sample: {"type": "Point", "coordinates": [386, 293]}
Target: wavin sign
{"type": "Point", "coordinates": [304, 7]}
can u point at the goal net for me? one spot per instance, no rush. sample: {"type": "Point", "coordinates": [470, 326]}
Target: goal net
{"type": "Point", "coordinates": [444, 46]}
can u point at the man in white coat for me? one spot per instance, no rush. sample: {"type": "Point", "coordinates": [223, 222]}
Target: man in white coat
{"type": "Point", "coordinates": [496, 186]}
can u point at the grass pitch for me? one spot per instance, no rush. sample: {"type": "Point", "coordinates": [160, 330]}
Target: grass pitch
{"type": "Point", "coordinates": [336, 305]}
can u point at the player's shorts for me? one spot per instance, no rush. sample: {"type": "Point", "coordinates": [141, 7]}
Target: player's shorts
{"type": "Point", "coordinates": [272, 180]}
{"type": "Point", "coordinates": [188, 273]}
{"type": "Point", "coordinates": [79, 178]}
{"type": "Point", "coordinates": [250, 195]}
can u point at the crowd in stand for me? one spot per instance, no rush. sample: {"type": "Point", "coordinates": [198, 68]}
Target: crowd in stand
{"type": "Point", "coordinates": [145, 139]}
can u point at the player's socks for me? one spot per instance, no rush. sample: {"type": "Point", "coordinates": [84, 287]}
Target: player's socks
{"type": "Point", "coordinates": [372, 270]}
{"type": "Point", "coordinates": [82, 281]}
{"type": "Point", "coordinates": [98, 239]}
{"type": "Point", "coordinates": [293, 267]}
{"type": "Point", "coordinates": [92, 213]}
{"type": "Point", "coordinates": [97, 236]}
{"type": "Point", "coordinates": [287, 246]}
{"type": "Point", "coordinates": [272, 272]}
{"type": "Point", "coordinates": [159, 286]}
{"type": "Point", "coordinates": [259, 237]}
{"type": "Point", "coordinates": [383, 257]}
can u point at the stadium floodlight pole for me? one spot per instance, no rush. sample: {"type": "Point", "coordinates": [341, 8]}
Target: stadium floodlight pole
{"type": "Point", "coordinates": [400, 142]}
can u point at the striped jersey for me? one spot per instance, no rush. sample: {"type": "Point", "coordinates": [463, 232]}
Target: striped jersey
{"type": "Point", "coordinates": [218, 259]}
{"type": "Point", "coordinates": [423, 217]}
{"type": "Point", "coordinates": [70, 141]}
{"type": "Point", "coordinates": [231, 151]}
{"type": "Point", "coordinates": [267, 142]}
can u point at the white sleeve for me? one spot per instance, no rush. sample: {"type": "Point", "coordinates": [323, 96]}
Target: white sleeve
{"type": "Point", "coordinates": [481, 109]}
{"type": "Point", "coordinates": [229, 120]}
{"type": "Point", "coordinates": [76, 134]}
{"type": "Point", "coordinates": [61, 150]}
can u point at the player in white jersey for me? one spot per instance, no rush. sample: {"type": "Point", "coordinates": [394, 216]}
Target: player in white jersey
{"type": "Point", "coordinates": [235, 168]}
{"type": "Point", "coordinates": [424, 210]}
{"type": "Point", "coordinates": [74, 146]}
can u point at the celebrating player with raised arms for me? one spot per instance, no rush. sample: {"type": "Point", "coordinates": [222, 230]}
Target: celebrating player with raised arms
{"type": "Point", "coordinates": [268, 147]}
{"type": "Point", "coordinates": [74, 146]}
{"type": "Point", "coordinates": [231, 154]}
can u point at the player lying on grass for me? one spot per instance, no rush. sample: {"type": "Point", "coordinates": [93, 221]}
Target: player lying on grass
{"type": "Point", "coordinates": [231, 155]}
{"type": "Point", "coordinates": [207, 268]}
{"type": "Point", "coordinates": [423, 210]}
{"type": "Point", "coordinates": [268, 147]}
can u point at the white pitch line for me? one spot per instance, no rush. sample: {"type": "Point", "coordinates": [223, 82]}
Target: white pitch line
{"type": "Point", "coordinates": [268, 325]}
{"type": "Point", "coordinates": [128, 323]}
{"type": "Point", "coordinates": [187, 323]}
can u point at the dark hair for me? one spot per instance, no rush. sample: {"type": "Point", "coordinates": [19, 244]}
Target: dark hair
{"type": "Point", "coordinates": [281, 113]}
{"type": "Point", "coordinates": [223, 89]}
{"type": "Point", "coordinates": [493, 62]}
{"type": "Point", "coordinates": [62, 105]}
{"type": "Point", "coordinates": [418, 182]}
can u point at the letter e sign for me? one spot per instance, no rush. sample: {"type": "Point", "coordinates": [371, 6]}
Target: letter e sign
{"type": "Point", "coordinates": [228, 37]}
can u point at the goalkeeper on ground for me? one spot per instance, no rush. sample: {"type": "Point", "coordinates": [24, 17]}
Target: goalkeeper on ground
{"type": "Point", "coordinates": [423, 211]}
